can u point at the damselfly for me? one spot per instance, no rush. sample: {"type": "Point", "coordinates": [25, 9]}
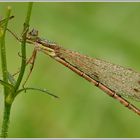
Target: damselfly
{"type": "Point", "coordinates": [115, 80]}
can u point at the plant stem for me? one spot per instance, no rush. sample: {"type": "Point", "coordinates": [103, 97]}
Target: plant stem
{"type": "Point", "coordinates": [5, 123]}
{"type": "Point", "coordinates": [23, 46]}
{"type": "Point", "coordinates": [3, 51]}
{"type": "Point", "coordinates": [10, 95]}
{"type": "Point", "coordinates": [7, 107]}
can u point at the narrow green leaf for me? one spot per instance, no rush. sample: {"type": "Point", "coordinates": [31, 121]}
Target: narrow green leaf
{"type": "Point", "coordinates": [37, 89]}
{"type": "Point", "coordinates": [7, 85]}
{"type": "Point", "coordinates": [4, 20]}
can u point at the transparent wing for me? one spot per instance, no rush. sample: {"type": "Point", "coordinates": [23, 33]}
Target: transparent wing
{"type": "Point", "coordinates": [123, 81]}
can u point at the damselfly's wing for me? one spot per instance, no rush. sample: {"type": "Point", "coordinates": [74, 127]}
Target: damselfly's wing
{"type": "Point", "coordinates": [123, 81]}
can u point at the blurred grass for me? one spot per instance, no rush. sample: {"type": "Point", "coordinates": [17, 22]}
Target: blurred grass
{"type": "Point", "coordinates": [109, 31]}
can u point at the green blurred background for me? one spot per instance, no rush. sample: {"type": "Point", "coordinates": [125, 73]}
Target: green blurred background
{"type": "Point", "coordinates": [109, 31]}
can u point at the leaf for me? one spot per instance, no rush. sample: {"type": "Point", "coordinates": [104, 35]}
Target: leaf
{"type": "Point", "coordinates": [37, 89]}
{"type": "Point", "coordinates": [7, 85]}
{"type": "Point", "coordinates": [4, 20]}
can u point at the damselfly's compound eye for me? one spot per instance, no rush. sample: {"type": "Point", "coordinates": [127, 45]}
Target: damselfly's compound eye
{"type": "Point", "coordinates": [33, 34]}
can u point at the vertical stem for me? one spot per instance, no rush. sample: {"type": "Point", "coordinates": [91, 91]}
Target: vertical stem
{"type": "Point", "coordinates": [7, 107]}
{"type": "Point", "coordinates": [3, 51]}
{"type": "Point", "coordinates": [23, 46]}
{"type": "Point", "coordinates": [5, 123]}
{"type": "Point", "coordinates": [7, 92]}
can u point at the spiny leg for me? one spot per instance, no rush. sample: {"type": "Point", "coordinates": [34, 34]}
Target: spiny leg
{"type": "Point", "coordinates": [32, 62]}
{"type": "Point", "coordinates": [19, 39]}
{"type": "Point", "coordinates": [27, 62]}
{"type": "Point", "coordinates": [19, 68]}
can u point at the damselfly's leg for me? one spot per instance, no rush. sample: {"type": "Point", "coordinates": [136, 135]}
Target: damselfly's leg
{"type": "Point", "coordinates": [19, 39]}
{"type": "Point", "coordinates": [32, 62]}
{"type": "Point", "coordinates": [29, 61]}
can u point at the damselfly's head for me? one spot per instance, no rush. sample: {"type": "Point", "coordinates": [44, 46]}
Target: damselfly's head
{"type": "Point", "coordinates": [33, 35]}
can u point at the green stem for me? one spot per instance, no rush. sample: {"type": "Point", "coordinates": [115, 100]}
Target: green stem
{"type": "Point", "coordinates": [23, 47]}
{"type": "Point", "coordinates": [10, 95]}
{"type": "Point", "coordinates": [5, 123]}
{"type": "Point", "coordinates": [5, 76]}
{"type": "Point", "coordinates": [3, 51]}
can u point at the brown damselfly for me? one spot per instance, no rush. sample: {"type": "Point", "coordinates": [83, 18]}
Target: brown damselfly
{"type": "Point", "coordinates": [115, 80]}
